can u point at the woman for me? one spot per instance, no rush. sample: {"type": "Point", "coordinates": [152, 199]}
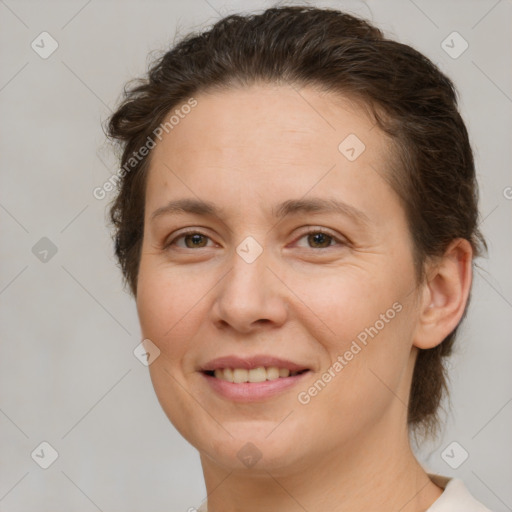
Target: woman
{"type": "Point", "coordinates": [297, 221]}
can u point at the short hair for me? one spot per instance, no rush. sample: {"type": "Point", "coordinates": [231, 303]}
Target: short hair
{"type": "Point", "coordinates": [411, 100]}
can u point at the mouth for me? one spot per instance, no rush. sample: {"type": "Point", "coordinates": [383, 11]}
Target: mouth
{"type": "Point", "coordinates": [252, 379]}
{"type": "Point", "coordinates": [259, 374]}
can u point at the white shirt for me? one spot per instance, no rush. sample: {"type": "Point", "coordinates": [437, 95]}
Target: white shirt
{"type": "Point", "coordinates": [455, 497]}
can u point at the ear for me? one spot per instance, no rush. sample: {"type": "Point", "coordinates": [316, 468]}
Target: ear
{"type": "Point", "coordinates": [444, 295]}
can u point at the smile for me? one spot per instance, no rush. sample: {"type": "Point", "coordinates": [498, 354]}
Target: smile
{"type": "Point", "coordinates": [252, 391]}
{"type": "Point", "coordinates": [252, 378]}
{"type": "Point", "coordinates": [260, 374]}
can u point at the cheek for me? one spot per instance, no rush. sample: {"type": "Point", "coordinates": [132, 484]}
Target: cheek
{"type": "Point", "coordinates": [365, 373]}
{"type": "Point", "coordinates": [167, 316]}
{"type": "Point", "coordinates": [168, 301]}
{"type": "Point", "coordinates": [365, 324]}
{"type": "Point", "coordinates": [347, 301]}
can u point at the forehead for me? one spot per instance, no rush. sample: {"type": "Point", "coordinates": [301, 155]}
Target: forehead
{"type": "Point", "coordinates": [236, 122]}
{"type": "Point", "coordinates": [267, 141]}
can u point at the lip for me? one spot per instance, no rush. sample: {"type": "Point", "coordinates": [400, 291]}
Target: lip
{"type": "Point", "coordinates": [252, 391]}
{"type": "Point", "coordinates": [251, 362]}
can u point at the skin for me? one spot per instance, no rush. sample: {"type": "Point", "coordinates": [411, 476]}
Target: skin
{"type": "Point", "coordinates": [247, 150]}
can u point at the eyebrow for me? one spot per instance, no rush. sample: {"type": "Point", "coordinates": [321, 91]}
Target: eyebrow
{"type": "Point", "coordinates": [280, 211]}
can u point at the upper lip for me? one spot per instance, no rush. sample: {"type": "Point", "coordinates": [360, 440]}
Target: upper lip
{"type": "Point", "coordinates": [251, 362]}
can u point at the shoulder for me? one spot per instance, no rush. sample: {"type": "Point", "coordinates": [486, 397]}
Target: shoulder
{"type": "Point", "coordinates": [455, 498]}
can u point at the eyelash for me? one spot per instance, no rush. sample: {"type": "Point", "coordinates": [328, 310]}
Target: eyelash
{"type": "Point", "coordinates": [310, 231]}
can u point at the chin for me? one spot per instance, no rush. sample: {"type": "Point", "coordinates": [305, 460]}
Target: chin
{"type": "Point", "coordinates": [251, 448]}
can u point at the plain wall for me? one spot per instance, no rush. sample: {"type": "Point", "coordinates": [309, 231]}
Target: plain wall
{"type": "Point", "coordinates": [68, 375]}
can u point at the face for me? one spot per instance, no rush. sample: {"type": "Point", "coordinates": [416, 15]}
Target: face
{"type": "Point", "coordinates": [274, 252]}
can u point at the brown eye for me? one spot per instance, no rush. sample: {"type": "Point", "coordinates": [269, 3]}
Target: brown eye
{"type": "Point", "coordinates": [192, 240]}
{"type": "Point", "coordinates": [319, 240]}
{"type": "Point", "coordinates": [196, 240]}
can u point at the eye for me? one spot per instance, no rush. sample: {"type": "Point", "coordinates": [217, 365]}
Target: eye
{"type": "Point", "coordinates": [315, 238]}
{"type": "Point", "coordinates": [192, 240]}
{"type": "Point", "coordinates": [320, 239]}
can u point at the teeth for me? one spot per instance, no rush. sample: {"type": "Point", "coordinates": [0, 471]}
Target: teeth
{"type": "Point", "coordinates": [240, 375]}
{"type": "Point", "coordinates": [272, 373]}
{"type": "Point", "coordinates": [260, 374]}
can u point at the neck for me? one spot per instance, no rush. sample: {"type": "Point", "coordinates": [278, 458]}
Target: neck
{"type": "Point", "coordinates": [378, 471]}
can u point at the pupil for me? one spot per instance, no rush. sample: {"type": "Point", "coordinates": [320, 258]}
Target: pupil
{"type": "Point", "coordinates": [196, 239]}
{"type": "Point", "coordinates": [320, 238]}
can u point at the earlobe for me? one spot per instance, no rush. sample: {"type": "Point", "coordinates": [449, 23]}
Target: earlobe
{"type": "Point", "coordinates": [445, 295]}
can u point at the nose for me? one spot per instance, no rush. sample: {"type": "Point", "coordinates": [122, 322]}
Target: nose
{"type": "Point", "coordinates": [251, 296]}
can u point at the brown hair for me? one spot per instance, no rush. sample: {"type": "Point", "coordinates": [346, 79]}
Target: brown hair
{"type": "Point", "coordinates": [409, 97]}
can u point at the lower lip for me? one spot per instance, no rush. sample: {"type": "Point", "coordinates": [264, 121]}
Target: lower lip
{"type": "Point", "coordinates": [252, 391]}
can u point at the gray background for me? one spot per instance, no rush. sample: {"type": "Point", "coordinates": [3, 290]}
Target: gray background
{"type": "Point", "coordinates": [68, 375]}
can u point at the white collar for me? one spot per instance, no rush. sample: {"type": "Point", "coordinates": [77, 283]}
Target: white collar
{"type": "Point", "coordinates": [455, 498]}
